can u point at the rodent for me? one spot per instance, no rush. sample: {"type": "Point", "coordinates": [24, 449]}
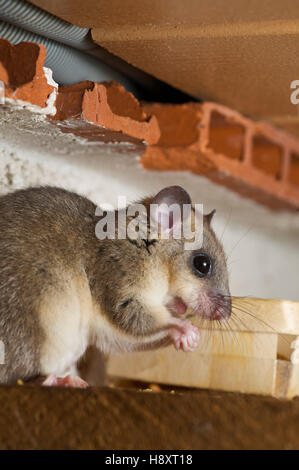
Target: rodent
{"type": "Point", "coordinates": [63, 290]}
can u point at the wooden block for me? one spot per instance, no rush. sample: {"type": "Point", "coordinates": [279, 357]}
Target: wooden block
{"type": "Point", "coordinates": [242, 355]}
{"type": "Point", "coordinates": [264, 315]}
{"type": "Point", "coordinates": [241, 366]}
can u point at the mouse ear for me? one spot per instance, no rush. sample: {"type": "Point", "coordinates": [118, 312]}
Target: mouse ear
{"type": "Point", "coordinates": [210, 216]}
{"type": "Point", "coordinates": [166, 208]}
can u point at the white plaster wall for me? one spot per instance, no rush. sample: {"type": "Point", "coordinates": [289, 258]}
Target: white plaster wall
{"type": "Point", "coordinates": [263, 246]}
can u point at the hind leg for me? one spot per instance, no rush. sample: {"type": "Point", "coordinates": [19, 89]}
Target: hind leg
{"type": "Point", "coordinates": [68, 381]}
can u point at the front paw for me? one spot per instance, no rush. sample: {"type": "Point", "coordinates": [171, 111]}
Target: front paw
{"type": "Point", "coordinates": [185, 336]}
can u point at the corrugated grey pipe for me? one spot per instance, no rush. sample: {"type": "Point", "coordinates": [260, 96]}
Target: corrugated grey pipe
{"type": "Point", "coordinates": [27, 16]}
{"type": "Point", "coordinates": [25, 22]}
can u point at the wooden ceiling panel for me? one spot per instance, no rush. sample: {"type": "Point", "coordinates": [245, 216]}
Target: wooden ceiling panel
{"type": "Point", "coordinates": [240, 54]}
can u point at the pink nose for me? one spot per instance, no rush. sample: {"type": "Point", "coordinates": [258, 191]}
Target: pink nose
{"type": "Point", "coordinates": [218, 306]}
{"type": "Point", "coordinates": [217, 316]}
{"type": "Point", "coordinates": [221, 314]}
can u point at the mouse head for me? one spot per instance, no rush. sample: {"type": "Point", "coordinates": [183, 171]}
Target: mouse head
{"type": "Point", "coordinates": [141, 282]}
{"type": "Point", "coordinates": [198, 277]}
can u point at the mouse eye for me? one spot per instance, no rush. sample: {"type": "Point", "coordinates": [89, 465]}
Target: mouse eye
{"type": "Point", "coordinates": [202, 264]}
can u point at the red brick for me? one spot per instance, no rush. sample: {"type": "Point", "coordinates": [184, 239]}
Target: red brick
{"type": "Point", "coordinates": [109, 105]}
{"type": "Point", "coordinates": [253, 158]}
{"type": "Point", "coordinates": [21, 70]}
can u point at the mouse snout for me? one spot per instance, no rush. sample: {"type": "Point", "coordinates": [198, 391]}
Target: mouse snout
{"type": "Point", "coordinates": [214, 305]}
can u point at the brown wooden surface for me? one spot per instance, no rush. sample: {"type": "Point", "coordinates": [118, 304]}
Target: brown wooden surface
{"type": "Point", "coordinates": [240, 56]}
{"type": "Point", "coordinates": [94, 13]}
{"type": "Point", "coordinates": [33, 418]}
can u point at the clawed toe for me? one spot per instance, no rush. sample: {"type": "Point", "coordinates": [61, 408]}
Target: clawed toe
{"type": "Point", "coordinates": [185, 337]}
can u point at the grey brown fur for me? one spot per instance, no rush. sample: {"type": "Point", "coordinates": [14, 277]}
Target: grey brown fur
{"type": "Point", "coordinates": [42, 230]}
{"type": "Point", "coordinates": [48, 231]}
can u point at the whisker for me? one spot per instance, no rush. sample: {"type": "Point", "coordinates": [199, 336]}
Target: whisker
{"type": "Point", "coordinates": [225, 226]}
{"type": "Point", "coordinates": [242, 237]}
{"type": "Point", "coordinates": [262, 322]}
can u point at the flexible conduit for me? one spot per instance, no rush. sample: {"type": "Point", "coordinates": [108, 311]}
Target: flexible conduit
{"type": "Point", "coordinates": [27, 16]}
{"type": "Point", "coordinates": [66, 44]}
